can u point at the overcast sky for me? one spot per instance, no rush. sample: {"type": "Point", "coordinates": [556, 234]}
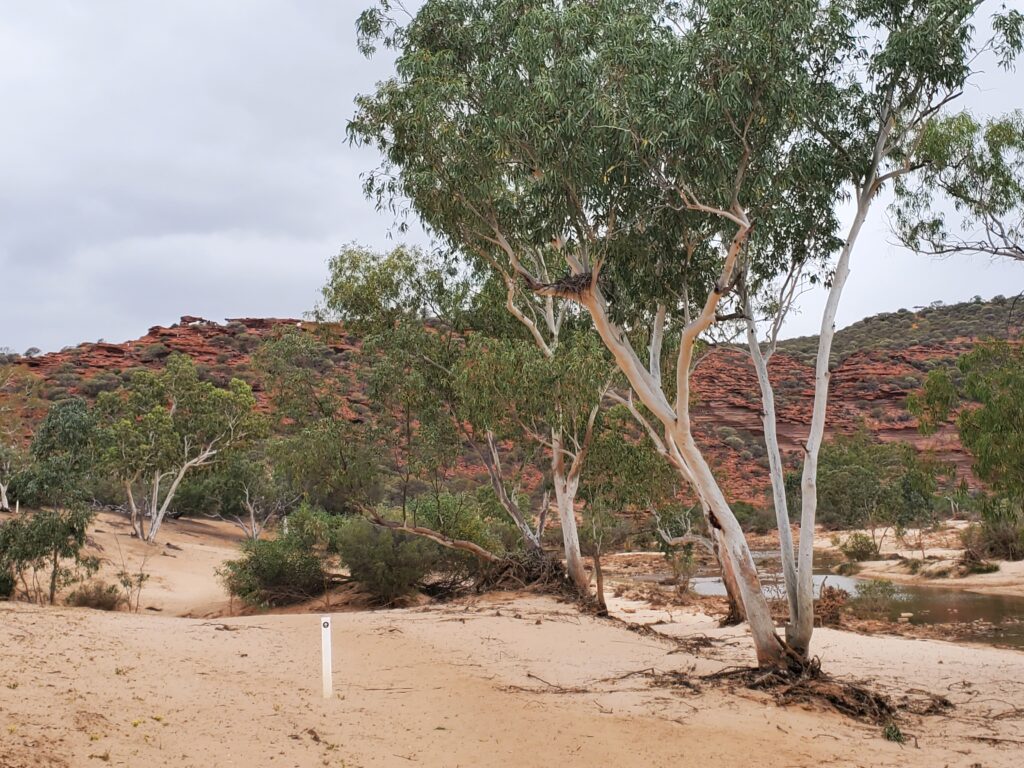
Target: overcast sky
{"type": "Point", "coordinates": [189, 157]}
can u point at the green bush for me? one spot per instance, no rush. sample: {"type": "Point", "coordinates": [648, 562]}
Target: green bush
{"type": "Point", "coordinates": [875, 598]}
{"type": "Point", "coordinates": [96, 594]}
{"type": "Point", "coordinates": [105, 381]}
{"type": "Point", "coordinates": [44, 551]}
{"type": "Point", "coordinates": [858, 547]}
{"type": "Point", "coordinates": [389, 564]}
{"type": "Point", "coordinates": [154, 352]}
{"type": "Point", "coordinates": [754, 519]}
{"type": "Point", "coordinates": [275, 572]}
{"type": "Point", "coordinates": [999, 534]}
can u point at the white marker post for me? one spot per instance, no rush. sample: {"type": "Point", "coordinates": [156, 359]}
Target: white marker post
{"type": "Point", "coordinates": [325, 650]}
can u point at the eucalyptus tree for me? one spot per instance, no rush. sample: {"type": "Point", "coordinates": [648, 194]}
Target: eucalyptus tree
{"type": "Point", "coordinates": [319, 450]}
{"type": "Point", "coordinates": [969, 195]}
{"type": "Point", "coordinates": [882, 117]}
{"type": "Point", "coordinates": [48, 542]}
{"type": "Point", "coordinates": [457, 375]}
{"type": "Point", "coordinates": [664, 166]}
{"type": "Point", "coordinates": [164, 425]}
{"type": "Point", "coordinates": [608, 155]}
{"type": "Point", "coordinates": [987, 401]}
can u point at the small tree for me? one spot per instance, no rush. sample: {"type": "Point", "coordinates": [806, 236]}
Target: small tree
{"type": "Point", "coordinates": [450, 371]}
{"type": "Point", "coordinates": [625, 480]}
{"type": "Point", "coordinates": [320, 451]}
{"type": "Point", "coordinates": [878, 486]}
{"type": "Point", "coordinates": [46, 545]}
{"type": "Point", "coordinates": [50, 540]}
{"type": "Point", "coordinates": [987, 399]}
{"type": "Point", "coordinates": [164, 425]}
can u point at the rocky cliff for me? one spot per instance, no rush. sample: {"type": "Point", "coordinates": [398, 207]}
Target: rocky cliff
{"type": "Point", "coordinates": [876, 363]}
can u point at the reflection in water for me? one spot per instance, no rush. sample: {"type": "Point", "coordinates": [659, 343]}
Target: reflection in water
{"type": "Point", "coordinates": [999, 618]}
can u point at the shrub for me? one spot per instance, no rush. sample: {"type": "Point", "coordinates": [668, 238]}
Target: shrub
{"type": "Point", "coordinates": [275, 572]}
{"type": "Point", "coordinates": [858, 547]}
{"type": "Point", "coordinates": [96, 594]}
{"type": "Point", "coordinates": [754, 519]}
{"type": "Point", "coordinates": [105, 381]}
{"type": "Point", "coordinates": [874, 598]}
{"type": "Point", "coordinates": [43, 550]}
{"type": "Point", "coordinates": [999, 534]}
{"type": "Point", "coordinates": [154, 352]}
{"type": "Point", "coordinates": [389, 564]}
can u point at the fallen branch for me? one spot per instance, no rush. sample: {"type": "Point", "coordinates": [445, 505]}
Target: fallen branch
{"type": "Point", "coordinates": [435, 536]}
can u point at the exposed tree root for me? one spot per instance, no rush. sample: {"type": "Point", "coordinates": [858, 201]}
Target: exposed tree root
{"type": "Point", "coordinates": [812, 687]}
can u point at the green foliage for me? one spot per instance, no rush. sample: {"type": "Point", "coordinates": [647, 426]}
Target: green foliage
{"type": "Point", "coordinates": [96, 594]}
{"type": "Point", "coordinates": [989, 397]}
{"type": "Point", "coordinates": [389, 564]}
{"type": "Point", "coordinates": [274, 572]}
{"type": "Point", "coordinates": [979, 168]}
{"type": "Point", "coordinates": [865, 484]}
{"type": "Point", "coordinates": [298, 373]}
{"type": "Point", "coordinates": [461, 516]}
{"type": "Point", "coordinates": [104, 381]}
{"type": "Point", "coordinates": [541, 120]}
{"type": "Point", "coordinates": [331, 464]}
{"type": "Point", "coordinates": [937, 325]}
{"type": "Point", "coordinates": [286, 569]}
{"type": "Point", "coordinates": [624, 473]}
{"type": "Point", "coordinates": [42, 551]}
{"type": "Point", "coordinates": [154, 352]}
{"type": "Point", "coordinates": [998, 534]}
{"type": "Point", "coordinates": [505, 384]}
{"type": "Point", "coordinates": [62, 454]}
{"type": "Point", "coordinates": [874, 599]}
{"type": "Point", "coordinates": [754, 519]}
{"type": "Point", "coordinates": [858, 547]}
{"type": "Point", "coordinates": [892, 732]}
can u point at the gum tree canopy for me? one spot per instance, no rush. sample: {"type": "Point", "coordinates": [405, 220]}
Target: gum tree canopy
{"type": "Point", "coordinates": [664, 166]}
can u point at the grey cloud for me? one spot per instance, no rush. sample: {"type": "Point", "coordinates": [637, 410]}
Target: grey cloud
{"type": "Point", "coordinates": [158, 159]}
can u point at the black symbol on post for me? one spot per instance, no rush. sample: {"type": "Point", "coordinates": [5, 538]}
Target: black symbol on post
{"type": "Point", "coordinates": [327, 624]}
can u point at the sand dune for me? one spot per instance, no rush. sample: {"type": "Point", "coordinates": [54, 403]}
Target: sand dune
{"type": "Point", "coordinates": [502, 680]}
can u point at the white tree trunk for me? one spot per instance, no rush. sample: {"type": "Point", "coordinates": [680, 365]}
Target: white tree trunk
{"type": "Point", "coordinates": [738, 566]}
{"type": "Point", "coordinates": [740, 563]}
{"type": "Point", "coordinates": [800, 631]}
{"type": "Point", "coordinates": [775, 469]}
{"type": "Point", "coordinates": [5, 505]}
{"type": "Point", "coordinates": [133, 510]}
{"type": "Point", "coordinates": [565, 498]}
{"type": "Point", "coordinates": [493, 464]}
{"type": "Point", "coordinates": [160, 509]}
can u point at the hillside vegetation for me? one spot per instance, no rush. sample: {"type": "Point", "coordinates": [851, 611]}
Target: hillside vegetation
{"type": "Point", "coordinates": [937, 324]}
{"type": "Point", "coordinates": [878, 362]}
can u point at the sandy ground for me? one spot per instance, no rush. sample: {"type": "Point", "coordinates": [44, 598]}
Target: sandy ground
{"type": "Point", "coordinates": [502, 680]}
{"type": "Point", "coordinates": [507, 682]}
{"type": "Point", "coordinates": [1008, 580]}
{"type": "Point", "coordinates": [182, 565]}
